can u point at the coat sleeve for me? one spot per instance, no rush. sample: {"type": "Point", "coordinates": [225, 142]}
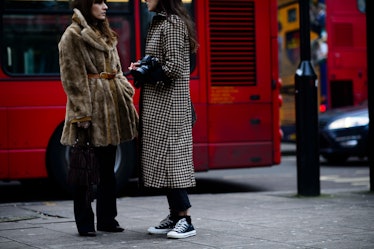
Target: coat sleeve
{"type": "Point", "coordinates": [74, 75]}
{"type": "Point", "coordinates": [173, 48]}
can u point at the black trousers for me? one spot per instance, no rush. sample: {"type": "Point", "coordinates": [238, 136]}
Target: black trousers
{"type": "Point", "coordinates": [106, 203]}
{"type": "Point", "coordinates": [178, 200]}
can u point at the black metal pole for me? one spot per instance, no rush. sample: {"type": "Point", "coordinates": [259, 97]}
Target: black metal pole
{"type": "Point", "coordinates": [306, 96]}
{"type": "Point", "coordinates": [370, 60]}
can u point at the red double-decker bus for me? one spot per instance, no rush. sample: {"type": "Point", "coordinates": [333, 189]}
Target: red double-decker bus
{"type": "Point", "coordinates": [347, 83]}
{"type": "Point", "coordinates": [234, 85]}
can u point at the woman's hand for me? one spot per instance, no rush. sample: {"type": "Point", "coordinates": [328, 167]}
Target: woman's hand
{"type": "Point", "coordinates": [134, 65]}
{"type": "Point", "coordinates": [84, 124]}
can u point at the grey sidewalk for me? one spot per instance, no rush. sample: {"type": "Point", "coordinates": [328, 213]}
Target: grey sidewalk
{"type": "Point", "coordinates": [340, 219]}
{"type": "Point", "coordinates": [337, 219]}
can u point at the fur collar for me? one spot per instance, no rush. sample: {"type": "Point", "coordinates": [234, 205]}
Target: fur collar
{"type": "Point", "coordinates": [89, 35]}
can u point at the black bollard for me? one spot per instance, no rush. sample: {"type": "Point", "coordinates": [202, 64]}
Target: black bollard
{"type": "Point", "coordinates": [306, 102]}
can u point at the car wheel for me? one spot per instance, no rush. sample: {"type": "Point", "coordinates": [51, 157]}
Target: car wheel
{"type": "Point", "coordinates": [58, 163]}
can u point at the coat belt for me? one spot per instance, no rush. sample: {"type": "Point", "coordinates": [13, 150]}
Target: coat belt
{"type": "Point", "coordinates": [102, 75]}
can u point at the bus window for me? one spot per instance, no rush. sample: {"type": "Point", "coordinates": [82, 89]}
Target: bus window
{"type": "Point", "coordinates": [31, 30]}
{"type": "Point", "coordinates": [57, 5]}
{"type": "Point", "coordinates": [292, 15]}
{"type": "Point", "coordinates": [361, 5]}
{"type": "Point", "coordinates": [29, 43]}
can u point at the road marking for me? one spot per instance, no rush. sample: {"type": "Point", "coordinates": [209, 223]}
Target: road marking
{"type": "Point", "coordinates": [354, 181]}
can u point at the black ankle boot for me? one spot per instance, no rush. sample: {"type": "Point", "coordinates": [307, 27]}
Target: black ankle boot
{"type": "Point", "coordinates": [87, 234]}
{"type": "Point", "coordinates": [112, 227]}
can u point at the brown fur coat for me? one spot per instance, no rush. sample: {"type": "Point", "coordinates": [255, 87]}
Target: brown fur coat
{"type": "Point", "coordinates": [108, 104]}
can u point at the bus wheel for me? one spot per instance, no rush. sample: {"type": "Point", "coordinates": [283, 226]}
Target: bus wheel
{"type": "Point", "coordinates": [58, 163]}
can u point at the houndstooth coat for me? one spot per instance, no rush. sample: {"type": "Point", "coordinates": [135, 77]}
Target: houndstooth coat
{"type": "Point", "coordinates": [165, 110]}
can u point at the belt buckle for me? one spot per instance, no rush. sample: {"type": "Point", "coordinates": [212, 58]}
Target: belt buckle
{"type": "Point", "coordinates": [103, 75]}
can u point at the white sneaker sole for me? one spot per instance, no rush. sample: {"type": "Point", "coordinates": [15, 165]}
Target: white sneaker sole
{"type": "Point", "coordinates": [175, 235]}
{"type": "Point", "coordinates": [153, 230]}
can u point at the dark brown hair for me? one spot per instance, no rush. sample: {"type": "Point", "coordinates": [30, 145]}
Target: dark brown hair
{"type": "Point", "coordinates": [177, 7]}
{"type": "Point", "coordinates": [85, 7]}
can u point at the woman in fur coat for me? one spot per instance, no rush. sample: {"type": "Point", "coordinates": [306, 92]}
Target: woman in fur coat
{"type": "Point", "coordinates": [166, 113]}
{"type": "Point", "coordinates": [99, 103]}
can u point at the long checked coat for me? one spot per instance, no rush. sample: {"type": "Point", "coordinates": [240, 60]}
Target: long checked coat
{"type": "Point", "coordinates": [108, 104]}
{"type": "Point", "coordinates": [165, 110]}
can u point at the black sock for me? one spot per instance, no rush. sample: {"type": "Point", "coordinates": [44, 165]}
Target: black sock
{"type": "Point", "coordinates": [174, 217]}
{"type": "Point", "coordinates": [187, 217]}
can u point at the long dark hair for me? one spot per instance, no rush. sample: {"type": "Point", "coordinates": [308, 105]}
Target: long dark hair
{"type": "Point", "coordinates": [103, 26]}
{"type": "Point", "coordinates": [177, 7]}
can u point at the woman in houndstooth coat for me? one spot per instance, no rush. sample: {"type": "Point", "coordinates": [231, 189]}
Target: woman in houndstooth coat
{"type": "Point", "coordinates": [165, 112]}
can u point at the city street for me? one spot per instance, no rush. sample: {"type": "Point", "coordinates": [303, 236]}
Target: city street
{"type": "Point", "coordinates": [352, 175]}
{"type": "Point", "coordinates": [237, 208]}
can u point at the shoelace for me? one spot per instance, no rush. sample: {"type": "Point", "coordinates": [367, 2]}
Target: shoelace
{"type": "Point", "coordinates": [181, 226]}
{"type": "Point", "coordinates": [165, 222]}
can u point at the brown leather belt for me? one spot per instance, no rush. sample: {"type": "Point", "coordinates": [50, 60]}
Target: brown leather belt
{"type": "Point", "coordinates": [102, 75]}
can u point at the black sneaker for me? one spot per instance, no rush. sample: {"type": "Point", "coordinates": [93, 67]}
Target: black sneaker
{"type": "Point", "coordinates": [182, 230]}
{"type": "Point", "coordinates": [165, 226]}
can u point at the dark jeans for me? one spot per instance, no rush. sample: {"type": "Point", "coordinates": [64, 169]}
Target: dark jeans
{"type": "Point", "coordinates": [106, 206]}
{"type": "Point", "coordinates": [178, 200]}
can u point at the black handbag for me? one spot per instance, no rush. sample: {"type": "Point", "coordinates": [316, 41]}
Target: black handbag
{"type": "Point", "coordinates": [83, 164]}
